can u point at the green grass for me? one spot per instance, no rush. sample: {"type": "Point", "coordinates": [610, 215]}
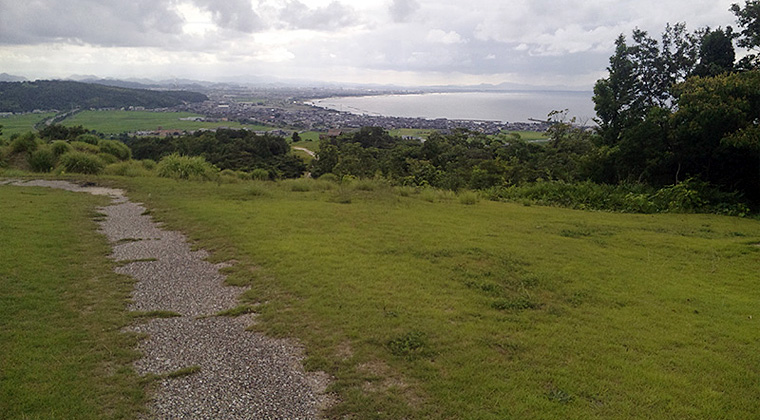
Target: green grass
{"type": "Point", "coordinates": [116, 122]}
{"type": "Point", "coordinates": [529, 135]}
{"type": "Point", "coordinates": [18, 124]}
{"type": "Point", "coordinates": [411, 132]}
{"type": "Point", "coordinates": [62, 355]}
{"type": "Point", "coordinates": [311, 145]}
{"type": "Point", "coordinates": [307, 136]}
{"type": "Point", "coordinates": [434, 309]}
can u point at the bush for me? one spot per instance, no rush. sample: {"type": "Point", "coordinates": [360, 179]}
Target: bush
{"type": "Point", "coordinates": [148, 164]}
{"type": "Point", "coordinates": [329, 177]}
{"type": "Point", "coordinates": [60, 147]}
{"type": "Point", "coordinates": [128, 168]}
{"type": "Point", "coordinates": [81, 163]}
{"type": "Point", "coordinates": [25, 143]}
{"type": "Point", "coordinates": [186, 167]}
{"type": "Point", "coordinates": [260, 174]}
{"type": "Point", "coordinates": [299, 185]}
{"type": "Point", "coordinates": [42, 160]}
{"type": "Point", "coordinates": [85, 147]}
{"type": "Point", "coordinates": [468, 198]}
{"type": "Point", "coordinates": [107, 158]}
{"type": "Point", "coordinates": [88, 138]}
{"type": "Point", "coordinates": [115, 148]}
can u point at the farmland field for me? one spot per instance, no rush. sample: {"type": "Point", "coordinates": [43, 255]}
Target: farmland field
{"type": "Point", "coordinates": [17, 124]}
{"type": "Point", "coordinates": [116, 122]}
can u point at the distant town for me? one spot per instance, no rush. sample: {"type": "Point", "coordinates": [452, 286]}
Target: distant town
{"type": "Point", "coordinates": [290, 108]}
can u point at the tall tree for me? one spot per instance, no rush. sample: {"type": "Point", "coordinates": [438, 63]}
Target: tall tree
{"type": "Point", "coordinates": [716, 52]}
{"type": "Point", "coordinates": [748, 18]}
{"type": "Point", "coordinates": [641, 76]}
{"type": "Point", "coordinates": [613, 96]}
{"type": "Point", "coordinates": [717, 132]}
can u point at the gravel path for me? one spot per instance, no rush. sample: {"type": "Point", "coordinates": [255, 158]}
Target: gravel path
{"type": "Point", "coordinates": [242, 375]}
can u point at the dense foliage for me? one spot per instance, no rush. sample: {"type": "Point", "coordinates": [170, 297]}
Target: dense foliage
{"type": "Point", "coordinates": [237, 150]}
{"type": "Point", "coordinates": [66, 95]}
{"type": "Point", "coordinates": [72, 152]}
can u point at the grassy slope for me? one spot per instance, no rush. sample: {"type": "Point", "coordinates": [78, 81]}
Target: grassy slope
{"type": "Point", "coordinates": [603, 315]}
{"type": "Point", "coordinates": [62, 355]}
{"type": "Point", "coordinates": [18, 124]}
{"type": "Point", "coordinates": [115, 122]}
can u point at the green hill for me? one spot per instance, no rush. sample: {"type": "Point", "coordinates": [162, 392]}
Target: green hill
{"type": "Point", "coordinates": [65, 95]}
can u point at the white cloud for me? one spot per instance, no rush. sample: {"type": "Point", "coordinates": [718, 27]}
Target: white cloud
{"type": "Point", "coordinates": [402, 10]}
{"type": "Point", "coordinates": [426, 40]}
{"type": "Point", "coordinates": [443, 37]}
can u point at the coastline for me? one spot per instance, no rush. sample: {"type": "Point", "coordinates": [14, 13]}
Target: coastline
{"type": "Point", "coordinates": [483, 106]}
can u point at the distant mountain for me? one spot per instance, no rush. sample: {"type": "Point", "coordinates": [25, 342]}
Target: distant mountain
{"type": "Point", "coordinates": [5, 77]}
{"type": "Point", "coordinates": [66, 95]}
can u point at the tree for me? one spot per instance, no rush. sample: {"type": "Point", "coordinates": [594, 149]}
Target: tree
{"type": "Point", "coordinates": [717, 131]}
{"type": "Point", "coordinates": [748, 18]}
{"type": "Point", "coordinates": [295, 137]}
{"type": "Point", "coordinates": [641, 76]}
{"type": "Point", "coordinates": [613, 96]}
{"type": "Point", "coordinates": [716, 52]}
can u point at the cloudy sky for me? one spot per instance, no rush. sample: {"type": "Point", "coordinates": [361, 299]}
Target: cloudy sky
{"type": "Point", "coordinates": [405, 42]}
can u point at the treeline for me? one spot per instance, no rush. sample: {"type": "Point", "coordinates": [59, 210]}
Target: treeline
{"type": "Point", "coordinates": [236, 150]}
{"type": "Point", "coordinates": [66, 95]}
{"type": "Point", "coordinates": [676, 115]}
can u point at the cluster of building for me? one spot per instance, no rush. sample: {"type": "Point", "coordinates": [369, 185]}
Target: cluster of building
{"type": "Point", "coordinates": [304, 117]}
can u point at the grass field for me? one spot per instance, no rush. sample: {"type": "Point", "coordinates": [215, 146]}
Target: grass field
{"type": "Point", "coordinates": [62, 355]}
{"type": "Point", "coordinates": [18, 124]}
{"type": "Point", "coordinates": [116, 122]}
{"type": "Point", "coordinates": [423, 307]}
{"type": "Point", "coordinates": [529, 135]}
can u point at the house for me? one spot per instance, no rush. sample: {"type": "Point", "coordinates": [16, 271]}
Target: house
{"type": "Point", "coordinates": [331, 134]}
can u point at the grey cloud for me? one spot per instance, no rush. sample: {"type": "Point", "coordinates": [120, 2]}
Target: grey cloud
{"type": "Point", "coordinates": [297, 15]}
{"type": "Point", "coordinates": [401, 10]}
{"type": "Point", "coordinates": [236, 15]}
{"type": "Point", "coordinates": [97, 22]}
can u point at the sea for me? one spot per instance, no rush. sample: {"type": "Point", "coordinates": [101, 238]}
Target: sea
{"type": "Point", "coordinates": [503, 106]}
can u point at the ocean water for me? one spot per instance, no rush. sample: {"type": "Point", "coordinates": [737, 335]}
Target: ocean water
{"type": "Point", "coordinates": [512, 106]}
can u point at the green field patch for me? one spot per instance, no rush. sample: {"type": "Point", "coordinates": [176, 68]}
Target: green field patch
{"type": "Point", "coordinates": [529, 135]}
{"type": "Point", "coordinates": [116, 122]}
{"type": "Point", "coordinates": [18, 124]}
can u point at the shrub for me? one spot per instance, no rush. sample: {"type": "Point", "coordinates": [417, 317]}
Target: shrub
{"type": "Point", "coordinates": [25, 143]}
{"type": "Point", "coordinates": [228, 176]}
{"type": "Point", "coordinates": [148, 164]}
{"type": "Point", "coordinates": [299, 185]}
{"type": "Point", "coordinates": [406, 191]}
{"type": "Point", "coordinates": [364, 185]}
{"type": "Point", "coordinates": [186, 167]}
{"type": "Point", "coordinates": [88, 138]}
{"type": "Point", "coordinates": [115, 148]}
{"type": "Point", "coordinates": [129, 168]}
{"type": "Point", "coordinates": [60, 147]}
{"type": "Point", "coordinates": [469, 198]}
{"type": "Point", "coordinates": [329, 177]}
{"type": "Point", "coordinates": [80, 162]}
{"type": "Point", "coordinates": [85, 147]}
{"type": "Point", "coordinates": [42, 160]}
{"type": "Point", "coordinates": [107, 158]}
{"type": "Point", "coordinates": [260, 174]}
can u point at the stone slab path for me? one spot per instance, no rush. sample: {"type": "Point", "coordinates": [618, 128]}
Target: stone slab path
{"type": "Point", "coordinates": [240, 374]}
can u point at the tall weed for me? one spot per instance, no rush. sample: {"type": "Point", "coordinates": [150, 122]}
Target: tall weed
{"type": "Point", "coordinates": [186, 167]}
{"type": "Point", "coordinates": [81, 163]}
{"type": "Point", "coordinates": [42, 160]}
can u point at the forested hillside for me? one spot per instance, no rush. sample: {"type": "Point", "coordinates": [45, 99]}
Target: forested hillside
{"type": "Point", "coordinates": [65, 95]}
